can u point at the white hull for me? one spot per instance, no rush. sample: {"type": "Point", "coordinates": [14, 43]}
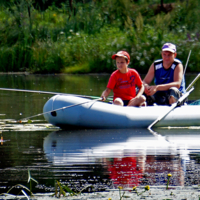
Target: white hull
{"type": "Point", "coordinates": [97, 114]}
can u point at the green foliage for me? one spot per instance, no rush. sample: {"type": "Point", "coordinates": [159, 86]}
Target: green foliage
{"type": "Point", "coordinates": [64, 190]}
{"type": "Point", "coordinates": [80, 38]}
{"type": "Point", "coordinates": [146, 188]}
{"type": "Point", "coordinates": [19, 186]}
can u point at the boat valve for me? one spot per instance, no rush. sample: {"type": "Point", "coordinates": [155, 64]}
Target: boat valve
{"type": "Point", "coordinates": [53, 113]}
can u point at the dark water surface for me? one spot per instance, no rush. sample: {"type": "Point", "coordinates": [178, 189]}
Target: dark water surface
{"type": "Point", "coordinates": [82, 157]}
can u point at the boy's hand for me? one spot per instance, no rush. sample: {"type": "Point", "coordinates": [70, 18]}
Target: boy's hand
{"type": "Point", "coordinates": [103, 98]}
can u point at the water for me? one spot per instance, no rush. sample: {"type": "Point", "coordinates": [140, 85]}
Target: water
{"type": "Point", "coordinates": [87, 158]}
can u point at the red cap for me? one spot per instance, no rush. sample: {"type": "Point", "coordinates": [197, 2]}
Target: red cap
{"type": "Point", "coordinates": [123, 54]}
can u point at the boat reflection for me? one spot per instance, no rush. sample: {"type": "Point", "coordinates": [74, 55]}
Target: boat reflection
{"type": "Point", "coordinates": [128, 157]}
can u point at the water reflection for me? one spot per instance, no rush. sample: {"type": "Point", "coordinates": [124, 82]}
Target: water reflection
{"type": "Point", "coordinates": [127, 157]}
{"type": "Point", "coordinates": [84, 157]}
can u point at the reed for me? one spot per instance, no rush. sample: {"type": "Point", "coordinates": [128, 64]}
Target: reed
{"type": "Point", "coordinates": [23, 188]}
{"type": "Point", "coordinates": [65, 190]}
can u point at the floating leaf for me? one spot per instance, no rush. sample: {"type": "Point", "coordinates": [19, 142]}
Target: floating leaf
{"type": "Point", "coordinates": [29, 121]}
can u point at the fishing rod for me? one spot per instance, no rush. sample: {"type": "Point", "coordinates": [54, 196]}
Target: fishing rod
{"type": "Point", "coordinates": [193, 82]}
{"type": "Point", "coordinates": [174, 105]}
{"type": "Point", "coordinates": [187, 63]}
{"type": "Point", "coordinates": [53, 111]}
{"type": "Point", "coordinates": [189, 89]}
{"type": "Point", "coordinates": [44, 92]}
{"type": "Point", "coordinates": [52, 93]}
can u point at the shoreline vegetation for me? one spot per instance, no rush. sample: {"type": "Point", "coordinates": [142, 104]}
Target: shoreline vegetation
{"type": "Point", "coordinates": [79, 37]}
{"type": "Point", "coordinates": [64, 191]}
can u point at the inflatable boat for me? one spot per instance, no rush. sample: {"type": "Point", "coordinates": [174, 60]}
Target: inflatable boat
{"type": "Point", "coordinates": [65, 111]}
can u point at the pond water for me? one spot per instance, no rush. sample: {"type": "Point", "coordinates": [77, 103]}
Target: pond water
{"type": "Point", "coordinates": [86, 158]}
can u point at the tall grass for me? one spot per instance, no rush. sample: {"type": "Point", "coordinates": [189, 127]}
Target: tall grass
{"type": "Point", "coordinates": [82, 40]}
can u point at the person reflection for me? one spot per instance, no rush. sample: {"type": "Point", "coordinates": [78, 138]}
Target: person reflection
{"type": "Point", "coordinates": [126, 171]}
{"type": "Point", "coordinates": [157, 168]}
{"type": "Point", "coordinates": [146, 170]}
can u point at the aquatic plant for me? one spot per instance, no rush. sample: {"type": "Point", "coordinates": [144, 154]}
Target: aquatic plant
{"type": "Point", "coordinates": [30, 179]}
{"type": "Point", "coordinates": [1, 140]}
{"type": "Point", "coordinates": [21, 191]}
{"type": "Point", "coordinates": [63, 190]}
{"type": "Point", "coordinates": [146, 188]}
{"type": "Point", "coordinates": [120, 190]}
{"type": "Point", "coordinates": [168, 178]}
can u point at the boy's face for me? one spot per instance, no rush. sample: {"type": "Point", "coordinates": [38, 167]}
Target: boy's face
{"type": "Point", "coordinates": [122, 64]}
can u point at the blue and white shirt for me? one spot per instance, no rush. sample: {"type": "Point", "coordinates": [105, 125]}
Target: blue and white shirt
{"type": "Point", "coordinates": [164, 76]}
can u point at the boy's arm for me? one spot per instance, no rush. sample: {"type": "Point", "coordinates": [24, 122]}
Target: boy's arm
{"type": "Point", "coordinates": [105, 93]}
{"type": "Point", "coordinates": [141, 91]}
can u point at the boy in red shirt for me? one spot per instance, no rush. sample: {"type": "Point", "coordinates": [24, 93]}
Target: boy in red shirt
{"type": "Point", "coordinates": [123, 82]}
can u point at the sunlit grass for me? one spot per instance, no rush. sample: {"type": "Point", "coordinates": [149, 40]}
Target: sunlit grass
{"type": "Point", "coordinates": [57, 40]}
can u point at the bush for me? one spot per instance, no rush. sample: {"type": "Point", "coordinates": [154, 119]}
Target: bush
{"type": "Point", "coordinates": [82, 40]}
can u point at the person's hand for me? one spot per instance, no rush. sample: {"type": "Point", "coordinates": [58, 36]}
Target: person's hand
{"type": "Point", "coordinates": [146, 90]}
{"type": "Point", "coordinates": [103, 98]}
{"type": "Point", "coordinates": [150, 90]}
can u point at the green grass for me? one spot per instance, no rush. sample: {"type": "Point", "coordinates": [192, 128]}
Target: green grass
{"type": "Point", "coordinates": [59, 40]}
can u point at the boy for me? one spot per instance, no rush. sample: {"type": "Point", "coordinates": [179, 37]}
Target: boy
{"type": "Point", "coordinates": [123, 82]}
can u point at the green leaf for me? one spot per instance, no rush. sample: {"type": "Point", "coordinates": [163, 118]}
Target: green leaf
{"type": "Point", "coordinates": [65, 187]}
{"type": "Point", "coordinates": [61, 189]}
{"type": "Point", "coordinates": [29, 121]}
{"type": "Point", "coordinates": [34, 180]}
{"type": "Point", "coordinates": [29, 176]}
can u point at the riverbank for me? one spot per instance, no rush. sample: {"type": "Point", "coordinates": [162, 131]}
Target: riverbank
{"type": "Point", "coordinates": [155, 193]}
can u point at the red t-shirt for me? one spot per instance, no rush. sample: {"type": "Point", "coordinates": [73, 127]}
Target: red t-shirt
{"type": "Point", "coordinates": [123, 85]}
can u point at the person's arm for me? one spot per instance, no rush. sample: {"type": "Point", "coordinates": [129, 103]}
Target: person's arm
{"type": "Point", "coordinates": [150, 75]}
{"type": "Point", "coordinates": [148, 79]}
{"type": "Point", "coordinates": [105, 93]}
{"type": "Point", "coordinates": [141, 90]}
{"type": "Point", "coordinates": [139, 98]}
{"type": "Point", "coordinates": [111, 84]}
{"type": "Point", "coordinates": [178, 75]}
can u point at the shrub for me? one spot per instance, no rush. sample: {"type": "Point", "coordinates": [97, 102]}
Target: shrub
{"type": "Point", "coordinates": [82, 39]}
